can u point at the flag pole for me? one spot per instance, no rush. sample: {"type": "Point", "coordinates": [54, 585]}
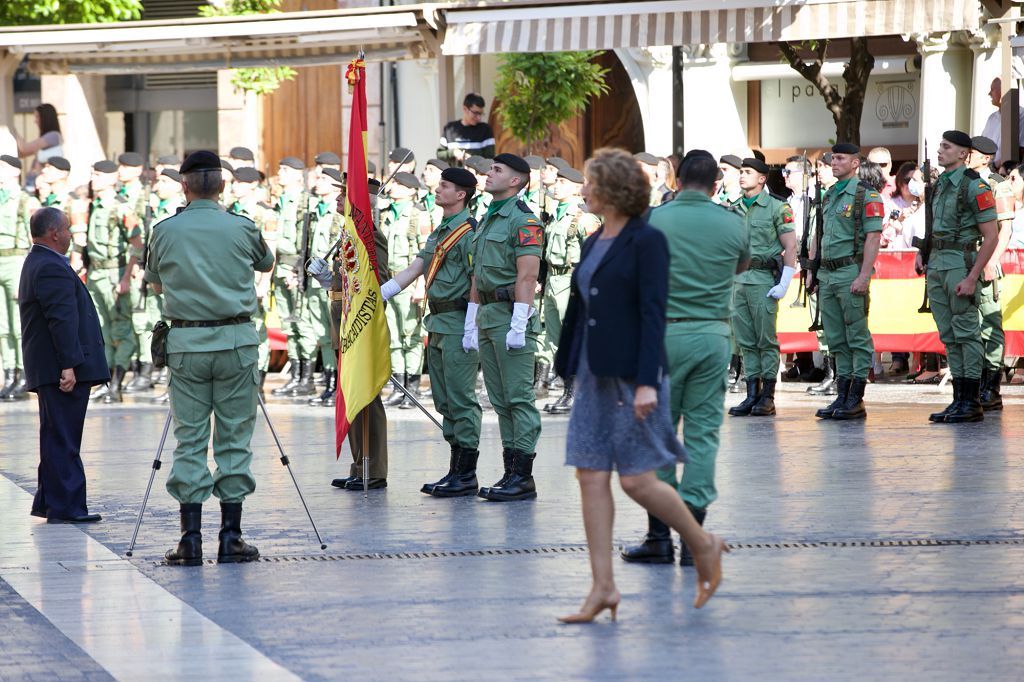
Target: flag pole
{"type": "Point", "coordinates": [366, 450]}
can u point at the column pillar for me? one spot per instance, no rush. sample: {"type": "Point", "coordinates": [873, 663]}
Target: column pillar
{"type": "Point", "coordinates": [650, 70]}
{"type": "Point", "coordinates": [715, 112]}
{"type": "Point", "coordinates": [984, 45]}
{"type": "Point", "coordinates": [8, 65]}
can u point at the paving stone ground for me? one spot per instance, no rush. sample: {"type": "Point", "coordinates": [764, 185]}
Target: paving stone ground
{"type": "Point", "coordinates": [891, 549]}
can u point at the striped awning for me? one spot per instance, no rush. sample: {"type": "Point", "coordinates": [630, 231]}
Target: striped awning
{"type": "Point", "coordinates": [604, 26]}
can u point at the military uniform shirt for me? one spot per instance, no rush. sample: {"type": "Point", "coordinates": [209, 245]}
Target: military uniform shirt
{"type": "Point", "coordinates": [401, 224]}
{"type": "Point", "coordinates": [325, 226]}
{"type": "Point", "coordinates": [14, 218]}
{"type": "Point", "coordinates": [839, 204]}
{"type": "Point", "coordinates": [767, 219]}
{"type": "Point", "coordinates": [565, 234]}
{"type": "Point", "coordinates": [289, 228]}
{"type": "Point", "coordinates": [452, 280]}
{"type": "Point", "coordinates": [509, 230]}
{"type": "Point", "coordinates": [107, 232]}
{"type": "Point", "coordinates": [980, 207]}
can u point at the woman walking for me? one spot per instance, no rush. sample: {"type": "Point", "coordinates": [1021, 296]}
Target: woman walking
{"type": "Point", "coordinates": [613, 343]}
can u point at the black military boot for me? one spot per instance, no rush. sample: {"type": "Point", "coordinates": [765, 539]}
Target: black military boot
{"type": "Point", "coordinates": [519, 485]}
{"type": "Point", "coordinates": [233, 549]}
{"type": "Point", "coordinates": [305, 386]}
{"type": "Point", "coordinates": [19, 391]}
{"type": "Point", "coordinates": [827, 386]}
{"type": "Point", "coordinates": [462, 478]}
{"type": "Point", "coordinates": [969, 407]}
{"type": "Point", "coordinates": [699, 514]}
{"type": "Point", "coordinates": [991, 400]}
{"type": "Point", "coordinates": [736, 374]}
{"type": "Point", "coordinates": [541, 388]}
{"type": "Point", "coordinates": [189, 551]}
{"type": "Point", "coordinates": [328, 393]}
{"type": "Point", "coordinates": [161, 399]}
{"type": "Point", "coordinates": [453, 462]}
{"type": "Point", "coordinates": [116, 383]}
{"type": "Point", "coordinates": [143, 380]}
{"type": "Point", "coordinates": [294, 371]}
{"type": "Point", "coordinates": [853, 406]}
{"type": "Point", "coordinates": [507, 457]}
{"type": "Point", "coordinates": [765, 405]}
{"type": "Point", "coordinates": [163, 375]}
{"type": "Point", "coordinates": [10, 378]}
{"type": "Point", "coordinates": [753, 391]}
{"type": "Point", "coordinates": [656, 547]}
{"type": "Point", "coordinates": [414, 388]}
{"type": "Point", "coordinates": [842, 391]}
{"type": "Point", "coordinates": [397, 396]}
{"type": "Point", "coordinates": [939, 417]}
{"type": "Point", "coordinates": [564, 404]}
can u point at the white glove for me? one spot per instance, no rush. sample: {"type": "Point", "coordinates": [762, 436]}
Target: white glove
{"type": "Point", "coordinates": [516, 337]}
{"type": "Point", "coordinates": [318, 269]}
{"type": "Point", "coordinates": [778, 291]}
{"type": "Point", "coordinates": [470, 335]}
{"type": "Point", "coordinates": [389, 288]}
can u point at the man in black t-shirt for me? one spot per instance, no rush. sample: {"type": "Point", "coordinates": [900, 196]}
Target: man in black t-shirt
{"type": "Point", "coordinates": [467, 136]}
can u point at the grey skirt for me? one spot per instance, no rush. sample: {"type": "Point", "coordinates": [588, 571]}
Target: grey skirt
{"type": "Point", "coordinates": [604, 434]}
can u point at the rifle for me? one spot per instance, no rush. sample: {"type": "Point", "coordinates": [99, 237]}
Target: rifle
{"type": "Point", "coordinates": [814, 264]}
{"type": "Point", "coordinates": [924, 246]}
{"type": "Point", "coordinates": [303, 256]}
{"type": "Point", "coordinates": [803, 257]}
{"type": "Point", "coordinates": [147, 233]}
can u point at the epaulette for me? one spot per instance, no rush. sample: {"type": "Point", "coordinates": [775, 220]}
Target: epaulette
{"type": "Point", "coordinates": [730, 207]}
{"type": "Point", "coordinates": [778, 197]}
{"type": "Point", "coordinates": [524, 207]}
{"type": "Point", "coordinates": [239, 215]}
{"type": "Point", "coordinates": [121, 199]}
{"type": "Point", "coordinates": [972, 174]}
{"type": "Point", "coordinates": [995, 178]}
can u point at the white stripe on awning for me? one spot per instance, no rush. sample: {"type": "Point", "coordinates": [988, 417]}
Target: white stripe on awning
{"type": "Point", "coordinates": [682, 22]}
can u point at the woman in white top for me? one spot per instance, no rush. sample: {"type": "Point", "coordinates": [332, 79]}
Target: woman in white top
{"type": "Point", "coordinates": [900, 229]}
{"type": "Point", "coordinates": [49, 143]}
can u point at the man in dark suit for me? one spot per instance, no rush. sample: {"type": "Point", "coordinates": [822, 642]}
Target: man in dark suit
{"type": "Point", "coordinates": [64, 356]}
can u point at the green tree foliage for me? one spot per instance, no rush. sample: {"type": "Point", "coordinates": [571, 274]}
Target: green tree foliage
{"type": "Point", "coordinates": [25, 12]}
{"type": "Point", "coordinates": [261, 80]}
{"type": "Point", "coordinates": [539, 90]}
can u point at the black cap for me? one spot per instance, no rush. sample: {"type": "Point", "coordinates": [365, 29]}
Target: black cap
{"type": "Point", "coordinates": [371, 167]}
{"type": "Point", "coordinates": [757, 164]}
{"type": "Point", "coordinates": [12, 161]}
{"type": "Point", "coordinates": [226, 166]}
{"type": "Point", "coordinates": [850, 148]}
{"type": "Point", "coordinates": [647, 157]}
{"type": "Point", "coordinates": [169, 160]}
{"type": "Point", "coordinates": [243, 153]}
{"type": "Point", "coordinates": [536, 162]}
{"type": "Point", "coordinates": [439, 164]}
{"type": "Point", "coordinates": [172, 174]}
{"type": "Point", "coordinates": [571, 174]}
{"type": "Point", "coordinates": [373, 184]}
{"type": "Point", "coordinates": [132, 159]}
{"type": "Point", "coordinates": [247, 174]}
{"type": "Point", "coordinates": [557, 161]}
{"type": "Point", "coordinates": [202, 160]}
{"type": "Point", "coordinates": [460, 177]}
{"type": "Point", "coordinates": [327, 159]}
{"type": "Point", "coordinates": [957, 137]}
{"type": "Point", "coordinates": [699, 153]}
{"type": "Point", "coordinates": [478, 164]}
{"type": "Point", "coordinates": [105, 166]}
{"type": "Point", "coordinates": [399, 154]}
{"type": "Point", "coordinates": [984, 145]}
{"type": "Point", "coordinates": [333, 174]}
{"type": "Point", "coordinates": [293, 162]}
{"type": "Point", "coordinates": [59, 162]}
{"type": "Point", "coordinates": [514, 162]}
{"type": "Point", "coordinates": [731, 160]}
{"type": "Point", "coordinates": [408, 180]}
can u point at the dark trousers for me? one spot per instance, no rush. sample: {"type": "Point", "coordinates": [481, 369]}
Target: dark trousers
{"type": "Point", "coordinates": [378, 455]}
{"type": "Point", "coordinates": [61, 491]}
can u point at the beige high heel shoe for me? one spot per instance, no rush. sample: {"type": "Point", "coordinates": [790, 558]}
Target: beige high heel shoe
{"type": "Point", "coordinates": [709, 570]}
{"type": "Point", "coordinates": [588, 615]}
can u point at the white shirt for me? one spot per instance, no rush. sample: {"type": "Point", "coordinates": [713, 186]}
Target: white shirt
{"type": "Point", "coordinates": [993, 131]}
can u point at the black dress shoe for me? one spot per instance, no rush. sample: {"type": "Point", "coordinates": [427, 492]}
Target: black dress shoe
{"type": "Point", "coordinates": [372, 484]}
{"type": "Point", "coordinates": [342, 482]}
{"type": "Point", "coordinates": [38, 514]}
{"type": "Point", "coordinates": [84, 518]}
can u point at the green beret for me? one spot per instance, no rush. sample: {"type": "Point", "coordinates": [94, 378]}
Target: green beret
{"type": "Point", "coordinates": [172, 174]}
{"type": "Point", "coordinates": [292, 162]}
{"type": "Point", "coordinates": [408, 180]}
{"type": "Point", "coordinates": [731, 160]}
{"type": "Point", "coordinates": [105, 166]}
{"type": "Point", "coordinates": [243, 153]}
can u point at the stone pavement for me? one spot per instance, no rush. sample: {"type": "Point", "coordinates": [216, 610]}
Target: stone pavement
{"type": "Point", "coordinates": [891, 550]}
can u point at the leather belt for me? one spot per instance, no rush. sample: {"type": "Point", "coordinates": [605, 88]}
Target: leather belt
{"type": "Point", "coordinates": [942, 244]}
{"type": "Point", "coordinates": [836, 263]}
{"type": "Point", "coordinates": [438, 307]}
{"type": "Point", "coordinates": [758, 263]}
{"type": "Point", "coordinates": [13, 252]}
{"type": "Point", "coordinates": [186, 324]}
{"type": "Point", "coordinates": [336, 295]}
{"type": "Point", "coordinates": [674, 320]}
{"type": "Point", "coordinates": [499, 295]}
{"type": "Point", "coordinates": [105, 263]}
{"type": "Point", "coordinates": [559, 269]}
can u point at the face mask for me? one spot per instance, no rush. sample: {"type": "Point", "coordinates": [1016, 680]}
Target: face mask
{"type": "Point", "coordinates": [916, 187]}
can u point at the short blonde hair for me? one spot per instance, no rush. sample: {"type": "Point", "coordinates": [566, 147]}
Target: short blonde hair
{"type": "Point", "coordinates": [617, 179]}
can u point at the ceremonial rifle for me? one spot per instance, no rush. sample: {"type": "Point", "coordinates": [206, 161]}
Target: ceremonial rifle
{"type": "Point", "coordinates": [803, 256]}
{"type": "Point", "coordinates": [815, 263]}
{"type": "Point", "coordinates": [147, 234]}
{"type": "Point", "coordinates": [924, 246]}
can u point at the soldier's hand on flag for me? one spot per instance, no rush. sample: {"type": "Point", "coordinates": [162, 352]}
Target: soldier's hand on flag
{"type": "Point", "coordinates": [318, 269]}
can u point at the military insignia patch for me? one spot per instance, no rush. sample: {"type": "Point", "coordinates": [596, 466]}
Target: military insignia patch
{"type": "Point", "coordinates": [874, 209]}
{"type": "Point", "coordinates": [847, 210]}
{"type": "Point", "coordinates": [531, 235]}
{"type": "Point", "coordinates": [985, 199]}
{"type": "Point", "coordinates": [787, 214]}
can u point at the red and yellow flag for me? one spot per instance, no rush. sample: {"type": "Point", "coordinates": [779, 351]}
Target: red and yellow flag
{"type": "Point", "coordinates": [364, 363]}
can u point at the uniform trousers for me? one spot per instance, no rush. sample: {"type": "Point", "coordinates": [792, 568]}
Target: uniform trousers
{"type": "Point", "coordinates": [753, 323]}
{"type": "Point", "coordinates": [115, 313]}
{"type": "Point", "coordinates": [292, 308]}
{"type": "Point", "coordinates": [508, 375]}
{"type": "Point", "coordinates": [320, 321]}
{"type": "Point", "coordinates": [10, 317]}
{"type": "Point", "coordinates": [453, 385]}
{"type": "Point", "coordinates": [403, 317]}
{"type": "Point", "coordinates": [144, 316]}
{"type": "Point", "coordinates": [556, 300]}
{"type": "Point", "coordinates": [224, 383]}
{"type": "Point", "coordinates": [845, 318]}
{"type": "Point", "coordinates": [959, 322]}
{"type": "Point", "coordinates": [991, 324]}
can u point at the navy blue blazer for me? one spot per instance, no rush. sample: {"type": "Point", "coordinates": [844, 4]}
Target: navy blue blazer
{"type": "Point", "coordinates": [625, 317]}
{"type": "Point", "coordinates": [59, 325]}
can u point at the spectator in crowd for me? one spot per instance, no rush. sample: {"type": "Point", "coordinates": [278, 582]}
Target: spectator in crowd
{"type": "Point", "coordinates": [993, 125]}
{"type": "Point", "coordinates": [47, 145]}
{"type": "Point", "coordinates": [468, 136]}
{"type": "Point", "coordinates": [883, 158]}
{"type": "Point", "coordinates": [666, 178]}
{"type": "Point", "coordinates": [1016, 180]}
{"type": "Point", "coordinates": [906, 218]}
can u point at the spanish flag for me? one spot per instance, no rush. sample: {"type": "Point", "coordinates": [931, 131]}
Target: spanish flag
{"type": "Point", "coordinates": [364, 363]}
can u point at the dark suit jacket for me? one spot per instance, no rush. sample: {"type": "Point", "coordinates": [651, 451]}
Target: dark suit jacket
{"type": "Point", "coordinates": [625, 317]}
{"type": "Point", "coordinates": [59, 325]}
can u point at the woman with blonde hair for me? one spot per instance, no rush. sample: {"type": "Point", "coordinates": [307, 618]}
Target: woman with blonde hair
{"type": "Point", "coordinates": [613, 343]}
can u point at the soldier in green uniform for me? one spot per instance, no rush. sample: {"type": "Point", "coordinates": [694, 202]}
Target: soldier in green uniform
{"type": "Point", "coordinates": [845, 253]}
{"type": "Point", "coordinates": [991, 311]}
{"type": "Point", "coordinates": [697, 338]}
{"type": "Point", "coordinates": [444, 262]}
{"type": "Point", "coordinates": [534, 193]}
{"type": "Point", "coordinates": [241, 157]}
{"type": "Point", "coordinates": [290, 211]}
{"type": "Point", "coordinates": [963, 213]}
{"type": "Point", "coordinates": [325, 227]}
{"type": "Point", "coordinates": [202, 260]}
{"type": "Point", "coordinates": [113, 247]}
{"type": "Point", "coordinates": [402, 224]}
{"type": "Point", "coordinates": [482, 199]}
{"type": "Point", "coordinates": [130, 167]}
{"type": "Point", "coordinates": [15, 209]}
{"type": "Point", "coordinates": [507, 249]}
{"type": "Point", "coordinates": [567, 228]}
{"type": "Point", "coordinates": [135, 197]}
{"type": "Point", "coordinates": [758, 291]}
{"type": "Point", "coordinates": [431, 179]}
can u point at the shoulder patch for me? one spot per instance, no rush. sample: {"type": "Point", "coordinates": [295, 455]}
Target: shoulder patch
{"type": "Point", "coordinates": [874, 208]}
{"type": "Point", "coordinates": [787, 213]}
{"type": "Point", "coordinates": [985, 198]}
{"type": "Point", "coordinates": [531, 234]}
